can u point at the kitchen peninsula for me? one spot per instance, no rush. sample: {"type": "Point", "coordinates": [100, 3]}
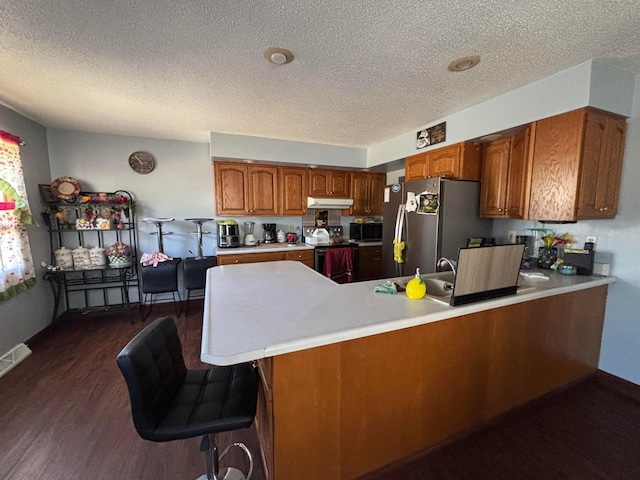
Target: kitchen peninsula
{"type": "Point", "coordinates": [353, 380]}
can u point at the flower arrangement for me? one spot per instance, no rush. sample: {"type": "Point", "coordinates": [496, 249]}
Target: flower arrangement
{"type": "Point", "coordinates": [119, 254]}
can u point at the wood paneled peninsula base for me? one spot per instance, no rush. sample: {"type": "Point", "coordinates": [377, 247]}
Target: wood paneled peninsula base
{"type": "Point", "coordinates": [345, 392]}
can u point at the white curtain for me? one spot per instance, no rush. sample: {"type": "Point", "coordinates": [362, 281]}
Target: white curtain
{"type": "Point", "coordinates": [17, 272]}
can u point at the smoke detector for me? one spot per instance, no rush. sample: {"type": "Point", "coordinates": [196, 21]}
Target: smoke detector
{"type": "Point", "coordinates": [464, 63]}
{"type": "Point", "coordinates": [278, 56]}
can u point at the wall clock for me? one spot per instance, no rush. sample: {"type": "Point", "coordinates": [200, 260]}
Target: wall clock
{"type": "Point", "coordinates": [142, 162]}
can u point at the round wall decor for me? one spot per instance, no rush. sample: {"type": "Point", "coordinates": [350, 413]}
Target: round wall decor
{"type": "Point", "coordinates": [142, 162]}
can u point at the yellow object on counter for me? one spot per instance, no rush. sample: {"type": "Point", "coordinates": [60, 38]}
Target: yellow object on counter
{"type": "Point", "coordinates": [416, 288]}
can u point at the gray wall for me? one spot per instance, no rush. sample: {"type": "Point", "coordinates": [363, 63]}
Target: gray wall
{"type": "Point", "coordinates": [26, 314]}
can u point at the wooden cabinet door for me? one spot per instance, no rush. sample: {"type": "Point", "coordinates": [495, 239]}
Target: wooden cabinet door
{"type": "Point", "coordinates": [329, 183]}
{"type": "Point", "coordinates": [369, 263]}
{"type": "Point", "coordinates": [517, 196]}
{"type": "Point", "coordinates": [416, 167]}
{"type": "Point", "coordinates": [263, 193]}
{"type": "Point", "coordinates": [319, 183]}
{"type": "Point", "coordinates": [555, 166]}
{"type": "Point", "coordinates": [601, 169]}
{"type": "Point", "coordinates": [339, 184]}
{"type": "Point", "coordinates": [495, 174]}
{"type": "Point", "coordinates": [293, 191]}
{"type": "Point", "coordinates": [233, 259]}
{"type": "Point", "coordinates": [445, 162]}
{"type": "Point", "coordinates": [377, 182]}
{"type": "Point", "coordinates": [303, 256]}
{"type": "Point", "coordinates": [367, 191]}
{"type": "Point", "coordinates": [359, 192]}
{"type": "Point", "coordinates": [232, 193]}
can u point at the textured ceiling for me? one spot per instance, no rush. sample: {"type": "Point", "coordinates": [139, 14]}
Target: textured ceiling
{"type": "Point", "coordinates": [364, 71]}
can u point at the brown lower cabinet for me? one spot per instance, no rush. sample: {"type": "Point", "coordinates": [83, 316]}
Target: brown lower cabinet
{"type": "Point", "coordinates": [304, 256]}
{"type": "Point", "coordinates": [340, 411]}
{"type": "Point", "coordinates": [369, 263]}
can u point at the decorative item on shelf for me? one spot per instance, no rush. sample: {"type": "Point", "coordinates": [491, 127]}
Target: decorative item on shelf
{"type": "Point", "coordinates": [66, 188]}
{"type": "Point", "coordinates": [98, 257]}
{"type": "Point", "coordinates": [96, 223]}
{"type": "Point", "coordinates": [64, 258]}
{"type": "Point", "coordinates": [119, 255]}
{"type": "Point", "coordinates": [81, 257]}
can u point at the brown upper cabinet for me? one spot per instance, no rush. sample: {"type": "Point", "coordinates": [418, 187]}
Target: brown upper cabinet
{"type": "Point", "coordinates": [243, 189]}
{"type": "Point", "coordinates": [329, 183]}
{"type": "Point", "coordinates": [505, 177]}
{"type": "Point", "coordinates": [293, 191]}
{"type": "Point", "coordinates": [367, 189]}
{"type": "Point", "coordinates": [577, 165]}
{"type": "Point", "coordinates": [459, 161]}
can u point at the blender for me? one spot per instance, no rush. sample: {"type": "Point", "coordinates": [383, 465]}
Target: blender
{"type": "Point", "coordinates": [249, 238]}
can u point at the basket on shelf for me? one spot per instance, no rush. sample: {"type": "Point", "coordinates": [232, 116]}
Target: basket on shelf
{"type": "Point", "coordinates": [119, 255]}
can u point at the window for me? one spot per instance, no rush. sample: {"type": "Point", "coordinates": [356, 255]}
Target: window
{"type": "Point", "coordinates": [17, 272]}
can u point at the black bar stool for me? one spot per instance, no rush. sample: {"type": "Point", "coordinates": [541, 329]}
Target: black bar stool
{"type": "Point", "coordinates": [169, 402]}
{"type": "Point", "coordinates": [162, 278]}
{"type": "Point", "coordinates": [195, 268]}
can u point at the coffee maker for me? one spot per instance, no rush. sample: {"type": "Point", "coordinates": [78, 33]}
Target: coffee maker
{"type": "Point", "coordinates": [270, 235]}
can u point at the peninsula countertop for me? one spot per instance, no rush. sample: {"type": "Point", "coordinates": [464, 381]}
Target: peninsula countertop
{"type": "Point", "coordinates": [260, 310]}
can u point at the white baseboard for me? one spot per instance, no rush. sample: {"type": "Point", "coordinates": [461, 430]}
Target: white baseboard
{"type": "Point", "coordinates": [13, 357]}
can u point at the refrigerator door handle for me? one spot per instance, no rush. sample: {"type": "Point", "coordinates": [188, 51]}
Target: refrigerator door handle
{"type": "Point", "coordinates": [399, 233]}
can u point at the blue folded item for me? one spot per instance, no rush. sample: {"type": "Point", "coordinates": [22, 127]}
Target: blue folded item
{"type": "Point", "coordinates": [386, 287]}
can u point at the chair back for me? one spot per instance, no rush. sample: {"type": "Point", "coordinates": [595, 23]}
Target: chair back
{"type": "Point", "coordinates": [153, 368]}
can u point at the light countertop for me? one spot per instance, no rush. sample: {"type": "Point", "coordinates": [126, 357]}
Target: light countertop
{"type": "Point", "coordinates": [260, 310]}
{"type": "Point", "coordinates": [264, 247]}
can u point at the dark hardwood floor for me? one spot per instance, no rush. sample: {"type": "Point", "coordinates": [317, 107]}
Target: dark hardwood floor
{"type": "Point", "coordinates": [586, 432]}
{"type": "Point", "coordinates": [65, 415]}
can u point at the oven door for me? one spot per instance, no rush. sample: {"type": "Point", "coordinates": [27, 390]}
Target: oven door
{"type": "Point", "coordinates": [320, 254]}
{"type": "Point", "coordinates": [318, 259]}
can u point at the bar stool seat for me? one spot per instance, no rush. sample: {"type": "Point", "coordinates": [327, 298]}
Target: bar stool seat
{"type": "Point", "coordinates": [170, 402]}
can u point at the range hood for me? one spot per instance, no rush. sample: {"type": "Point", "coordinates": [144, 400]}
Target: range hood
{"type": "Point", "coordinates": [329, 203]}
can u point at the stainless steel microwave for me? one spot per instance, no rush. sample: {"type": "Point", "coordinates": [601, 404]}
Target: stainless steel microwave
{"type": "Point", "coordinates": [365, 232]}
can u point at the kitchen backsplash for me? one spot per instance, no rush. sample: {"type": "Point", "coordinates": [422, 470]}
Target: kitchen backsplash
{"type": "Point", "coordinates": [321, 217]}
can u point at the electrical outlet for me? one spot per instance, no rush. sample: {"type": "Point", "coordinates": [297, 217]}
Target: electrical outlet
{"type": "Point", "coordinates": [511, 236]}
{"type": "Point", "coordinates": [591, 239]}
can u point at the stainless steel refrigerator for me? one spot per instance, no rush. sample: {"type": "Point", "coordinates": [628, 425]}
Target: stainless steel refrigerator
{"type": "Point", "coordinates": [446, 216]}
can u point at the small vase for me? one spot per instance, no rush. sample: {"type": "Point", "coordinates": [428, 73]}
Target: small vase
{"type": "Point", "coordinates": [547, 257]}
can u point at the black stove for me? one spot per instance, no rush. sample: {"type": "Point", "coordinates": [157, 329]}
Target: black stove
{"type": "Point", "coordinates": [321, 248]}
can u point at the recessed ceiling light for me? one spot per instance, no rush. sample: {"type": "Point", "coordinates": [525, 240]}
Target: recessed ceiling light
{"type": "Point", "coordinates": [278, 56]}
{"type": "Point", "coordinates": [464, 63]}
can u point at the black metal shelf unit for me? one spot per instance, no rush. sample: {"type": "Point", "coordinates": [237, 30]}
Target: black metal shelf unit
{"type": "Point", "coordinates": [93, 287]}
